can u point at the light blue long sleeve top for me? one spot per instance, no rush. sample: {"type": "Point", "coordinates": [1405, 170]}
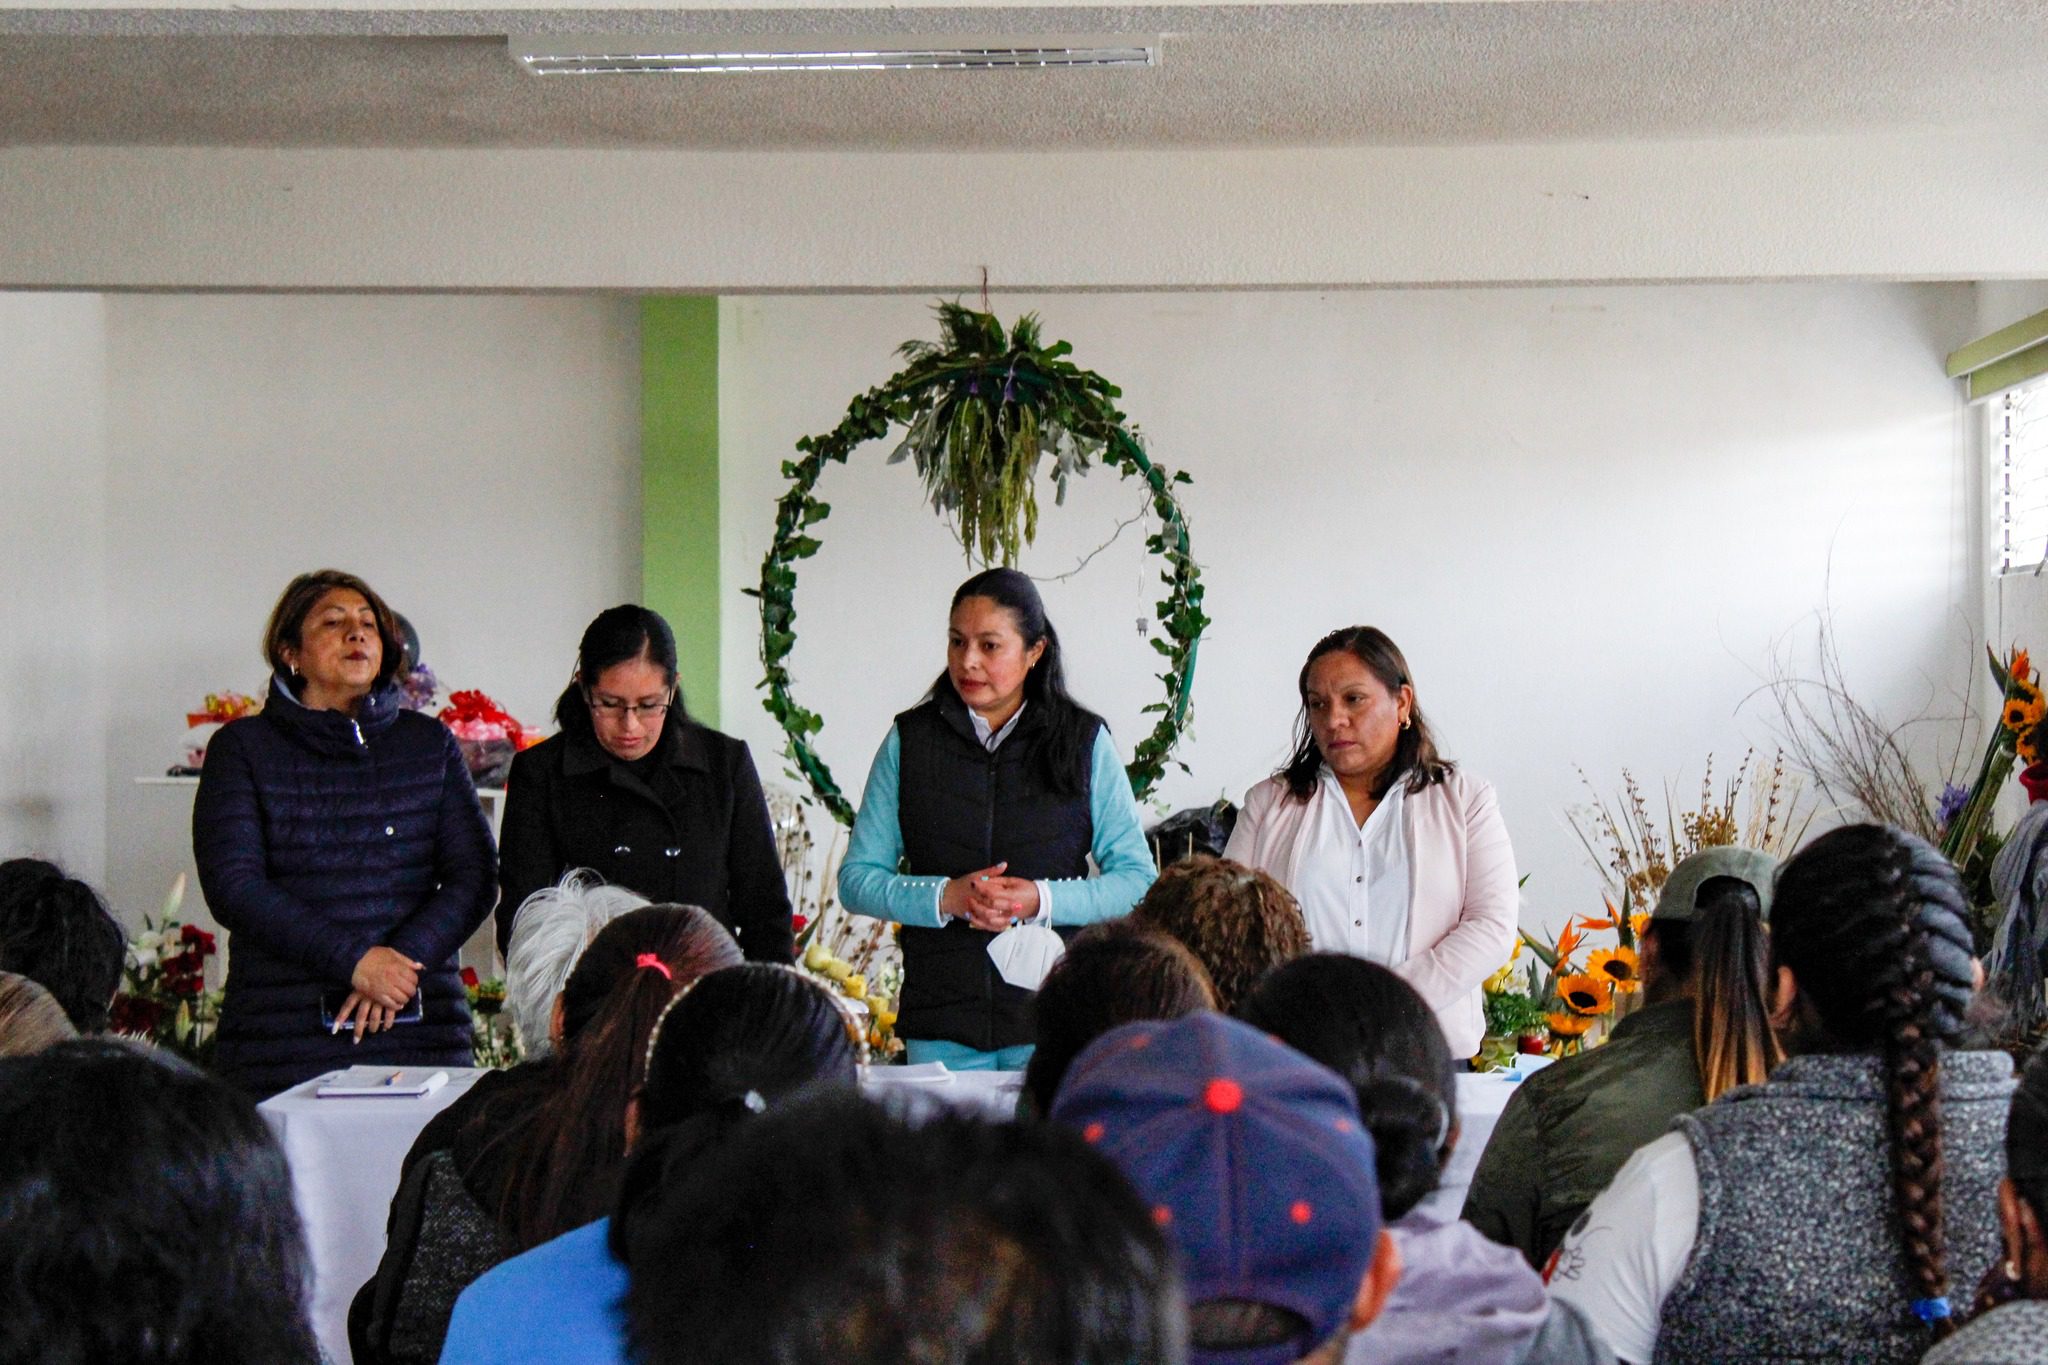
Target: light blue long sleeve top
{"type": "Point", "coordinates": [869, 883]}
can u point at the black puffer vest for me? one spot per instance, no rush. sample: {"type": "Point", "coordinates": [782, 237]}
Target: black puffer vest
{"type": "Point", "coordinates": [963, 808]}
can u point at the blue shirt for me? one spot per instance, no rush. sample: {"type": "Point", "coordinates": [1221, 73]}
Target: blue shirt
{"type": "Point", "coordinates": [869, 883]}
{"type": "Point", "coordinates": [562, 1303]}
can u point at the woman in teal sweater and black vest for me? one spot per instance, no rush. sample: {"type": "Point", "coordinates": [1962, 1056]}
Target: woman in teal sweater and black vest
{"type": "Point", "coordinates": [983, 810]}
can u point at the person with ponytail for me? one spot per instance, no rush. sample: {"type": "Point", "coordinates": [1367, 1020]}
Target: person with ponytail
{"type": "Point", "coordinates": [638, 792]}
{"type": "Point", "coordinates": [736, 1044]}
{"type": "Point", "coordinates": [982, 811]}
{"type": "Point", "coordinates": [1702, 1029]}
{"type": "Point", "coordinates": [1396, 854]}
{"type": "Point", "coordinates": [1461, 1299]}
{"type": "Point", "coordinates": [536, 1158]}
{"type": "Point", "coordinates": [2011, 1327]}
{"type": "Point", "coordinates": [1844, 1208]}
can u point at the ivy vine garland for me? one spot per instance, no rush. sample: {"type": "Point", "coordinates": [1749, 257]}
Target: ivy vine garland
{"type": "Point", "coordinates": [980, 410]}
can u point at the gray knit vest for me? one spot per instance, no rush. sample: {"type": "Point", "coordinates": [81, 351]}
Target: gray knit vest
{"type": "Point", "coordinates": [1798, 1256]}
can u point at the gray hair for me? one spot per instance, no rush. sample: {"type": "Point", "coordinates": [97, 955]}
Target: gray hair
{"type": "Point", "coordinates": [549, 933]}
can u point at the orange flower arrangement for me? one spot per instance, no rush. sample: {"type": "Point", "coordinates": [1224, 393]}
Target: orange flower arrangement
{"type": "Point", "coordinates": [1568, 1025]}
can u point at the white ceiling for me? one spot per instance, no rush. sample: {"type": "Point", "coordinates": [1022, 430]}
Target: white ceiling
{"type": "Point", "coordinates": [1243, 76]}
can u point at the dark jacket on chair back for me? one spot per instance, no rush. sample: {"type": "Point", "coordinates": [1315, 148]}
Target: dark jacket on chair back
{"type": "Point", "coordinates": [962, 808]}
{"type": "Point", "coordinates": [698, 835]}
{"type": "Point", "coordinates": [319, 838]}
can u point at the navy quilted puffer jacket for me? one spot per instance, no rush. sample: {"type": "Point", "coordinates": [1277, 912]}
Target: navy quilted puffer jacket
{"type": "Point", "coordinates": [319, 838]}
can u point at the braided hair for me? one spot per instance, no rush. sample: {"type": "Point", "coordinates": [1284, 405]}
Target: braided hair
{"type": "Point", "coordinates": [1873, 924]}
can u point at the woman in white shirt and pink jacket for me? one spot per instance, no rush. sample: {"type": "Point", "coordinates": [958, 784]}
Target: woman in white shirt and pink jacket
{"type": "Point", "coordinates": [1394, 853]}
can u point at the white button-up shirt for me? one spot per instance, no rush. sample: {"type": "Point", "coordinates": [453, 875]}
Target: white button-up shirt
{"type": "Point", "coordinates": [1353, 879]}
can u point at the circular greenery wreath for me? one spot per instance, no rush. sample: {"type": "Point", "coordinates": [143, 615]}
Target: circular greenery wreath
{"type": "Point", "coordinates": [981, 410]}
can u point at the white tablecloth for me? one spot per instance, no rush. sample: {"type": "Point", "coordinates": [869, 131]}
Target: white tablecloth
{"type": "Point", "coordinates": [345, 1156]}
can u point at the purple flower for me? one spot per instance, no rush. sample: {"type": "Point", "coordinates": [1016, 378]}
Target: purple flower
{"type": "Point", "coordinates": [1953, 799]}
{"type": "Point", "coordinates": [417, 688]}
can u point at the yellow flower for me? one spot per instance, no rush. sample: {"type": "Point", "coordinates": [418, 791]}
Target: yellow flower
{"type": "Point", "coordinates": [2023, 713]}
{"type": "Point", "coordinates": [1619, 967]}
{"type": "Point", "coordinates": [1639, 921]}
{"type": "Point", "coordinates": [1586, 994]}
{"type": "Point", "coordinates": [1568, 1025]}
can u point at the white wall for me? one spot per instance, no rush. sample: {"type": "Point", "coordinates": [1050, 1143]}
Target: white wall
{"type": "Point", "coordinates": [477, 459]}
{"type": "Point", "coordinates": [54, 673]}
{"type": "Point", "coordinates": [1588, 515]}
{"type": "Point", "coordinates": [1895, 205]}
{"type": "Point", "coordinates": [2016, 605]}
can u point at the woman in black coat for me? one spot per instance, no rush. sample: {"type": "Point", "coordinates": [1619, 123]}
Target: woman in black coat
{"type": "Point", "coordinates": [635, 790]}
{"type": "Point", "coordinates": [340, 843]}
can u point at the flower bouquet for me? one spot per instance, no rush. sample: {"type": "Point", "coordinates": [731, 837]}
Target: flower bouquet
{"type": "Point", "coordinates": [853, 956]}
{"type": "Point", "coordinates": [489, 736]}
{"type": "Point", "coordinates": [163, 997]}
{"type": "Point", "coordinates": [492, 1037]}
{"type": "Point", "coordinates": [217, 710]}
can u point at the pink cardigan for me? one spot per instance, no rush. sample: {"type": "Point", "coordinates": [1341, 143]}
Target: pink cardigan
{"type": "Point", "coordinates": [1462, 901]}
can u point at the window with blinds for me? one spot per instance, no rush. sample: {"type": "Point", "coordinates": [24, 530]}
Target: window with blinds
{"type": "Point", "coordinates": [2019, 434]}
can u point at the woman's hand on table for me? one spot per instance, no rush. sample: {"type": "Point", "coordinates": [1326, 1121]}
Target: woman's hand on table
{"type": "Point", "coordinates": [989, 900]}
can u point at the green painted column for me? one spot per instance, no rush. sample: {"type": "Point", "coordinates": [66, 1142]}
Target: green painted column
{"type": "Point", "coordinates": [679, 484]}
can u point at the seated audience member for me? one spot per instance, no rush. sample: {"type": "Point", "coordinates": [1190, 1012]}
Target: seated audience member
{"type": "Point", "coordinates": [1461, 1298]}
{"type": "Point", "coordinates": [1253, 1160]}
{"type": "Point", "coordinates": [30, 1018]}
{"type": "Point", "coordinates": [739, 1042]}
{"type": "Point", "coordinates": [553, 929]}
{"type": "Point", "coordinates": [1237, 920]}
{"type": "Point", "coordinates": [1828, 1213]}
{"type": "Point", "coordinates": [1702, 1029]}
{"type": "Point", "coordinates": [538, 1158]}
{"type": "Point", "coordinates": [1112, 973]}
{"type": "Point", "coordinates": [844, 1232]}
{"type": "Point", "coordinates": [55, 930]}
{"type": "Point", "coordinates": [2011, 1327]}
{"type": "Point", "coordinates": [147, 1215]}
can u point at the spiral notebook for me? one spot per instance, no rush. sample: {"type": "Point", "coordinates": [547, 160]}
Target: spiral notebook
{"type": "Point", "coordinates": [381, 1083]}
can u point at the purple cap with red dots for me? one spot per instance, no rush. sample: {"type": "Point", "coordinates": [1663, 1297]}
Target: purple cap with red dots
{"type": "Point", "coordinates": [1253, 1160]}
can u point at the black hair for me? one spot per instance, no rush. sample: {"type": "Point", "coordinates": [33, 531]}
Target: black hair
{"type": "Point", "coordinates": [618, 635]}
{"type": "Point", "coordinates": [56, 931]}
{"type": "Point", "coordinates": [1370, 1027]}
{"type": "Point", "coordinates": [1874, 925]}
{"type": "Point", "coordinates": [564, 1161]}
{"type": "Point", "coordinates": [841, 1231]}
{"type": "Point", "coordinates": [1070, 727]}
{"type": "Point", "coordinates": [148, 1214]}
{"type": "Point", "coordinates": [1117, 972]}
{"type": "Point", "coordinates": [2026, 1136]}
{"type": "Point", "coordinates": [738, 1042]}
{"type": "Point", "coordinates": [1415, 752]}
{"type": "Point", "coordinates": [1723, 954]}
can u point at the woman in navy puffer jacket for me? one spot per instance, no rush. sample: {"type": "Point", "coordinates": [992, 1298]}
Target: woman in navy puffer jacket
{"type": "Point", "coordinates": [340, 843]}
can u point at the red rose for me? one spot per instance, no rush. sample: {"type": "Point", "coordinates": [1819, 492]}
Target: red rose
{"type": "Point", "coordinates": [136, 1018]}
{"type": "Point", "coordinates": [797, 923]}
{"type": "Point", "coordinates": [198, 938]}
{"type": "Point", "coordinates": [469, 977]}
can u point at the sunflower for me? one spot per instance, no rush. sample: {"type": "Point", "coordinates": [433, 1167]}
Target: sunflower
{"type": "Point", "coordinates": [1568, 1025]}
{"type": "Point", "coordinates": [1619, 967]}
{"type": "Point", "coordinates": [2023, 713]}
{"type": "Point", "coordinates": [1639, 921]}
{"type": "Point", "coordinates": [2027, 747]}
{"type": "Point", "coordinates": [1586, 994]}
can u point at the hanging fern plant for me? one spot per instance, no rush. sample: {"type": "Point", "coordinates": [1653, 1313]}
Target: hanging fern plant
{"type": "Point", "coordinates": [982, 410]}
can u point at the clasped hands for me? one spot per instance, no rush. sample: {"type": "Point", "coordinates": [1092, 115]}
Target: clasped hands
{"type": "Point", "coordinates": [381, 984]}
{"type": "Point", "coordinates": [989, 900]}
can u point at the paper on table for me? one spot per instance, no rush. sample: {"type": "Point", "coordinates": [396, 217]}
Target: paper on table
{"type": "Point", "coordinates": [1025, 953]}
{"type": "Point", "coordinates": [381, 1083]}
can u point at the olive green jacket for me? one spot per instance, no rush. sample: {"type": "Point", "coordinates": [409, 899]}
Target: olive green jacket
{"type": "Point", "coordinates": [1568, 1128]}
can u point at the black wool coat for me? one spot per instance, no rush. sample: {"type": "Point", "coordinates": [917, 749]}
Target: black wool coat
{"type": "Point", "coordinates": [319, 838]}
{"type": "Point", "coordinates": [569, 804]}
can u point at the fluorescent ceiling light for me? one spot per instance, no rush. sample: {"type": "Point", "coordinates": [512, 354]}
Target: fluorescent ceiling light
{"type": "Point", "coordinates": [622, 54]}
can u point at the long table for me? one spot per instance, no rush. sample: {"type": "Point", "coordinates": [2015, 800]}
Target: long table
{"type": "Point", "coordinates": [345, 1155]}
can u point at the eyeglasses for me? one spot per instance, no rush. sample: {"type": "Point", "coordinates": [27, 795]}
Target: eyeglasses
{"type": "Point", "coordinates": [611, 708]}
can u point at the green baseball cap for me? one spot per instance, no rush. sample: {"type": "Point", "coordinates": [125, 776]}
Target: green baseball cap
{"type": "Point", "coordinates": [1681, 891]}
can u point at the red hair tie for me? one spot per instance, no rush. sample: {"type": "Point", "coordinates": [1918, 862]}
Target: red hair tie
{"type": "Point", "coordinates": [654, 964]}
